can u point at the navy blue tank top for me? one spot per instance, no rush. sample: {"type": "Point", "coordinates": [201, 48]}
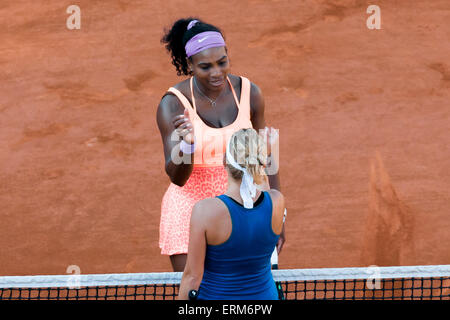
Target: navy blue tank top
{"type": "Point", "coordinates": [239, 268]}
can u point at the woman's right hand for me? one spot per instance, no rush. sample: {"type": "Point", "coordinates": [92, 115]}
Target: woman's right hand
{"type": "Point", "coordinates": [270, 136]}
{"type": "Point", "coordinates": [183, 127]}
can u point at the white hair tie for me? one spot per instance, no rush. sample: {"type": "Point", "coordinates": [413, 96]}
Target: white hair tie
{"type": "Point", "coordinates": [248, 188]}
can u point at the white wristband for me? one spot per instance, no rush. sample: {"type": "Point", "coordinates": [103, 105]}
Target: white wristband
{"type": "Point", "coordinates": [284, 215]}
{"type": "Point", "coordinates": [187, 148]}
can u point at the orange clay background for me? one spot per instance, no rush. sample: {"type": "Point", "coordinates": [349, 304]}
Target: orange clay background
{"type": "Point", "coordinates": [363, 116]}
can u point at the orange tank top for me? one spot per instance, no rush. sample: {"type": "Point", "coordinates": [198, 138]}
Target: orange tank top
{"type": "Point", "coordinates": [210, 143]}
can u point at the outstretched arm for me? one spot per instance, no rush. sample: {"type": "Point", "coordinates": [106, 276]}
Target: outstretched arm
{"type": "Point", "coordinates": [257, 106]}
{"type": "Point", "coordinates": [193, 271]}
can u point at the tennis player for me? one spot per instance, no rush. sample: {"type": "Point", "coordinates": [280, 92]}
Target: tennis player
{"type": "Point", "coordinates": [233, 235]}
{"type": "Point", "coordinates": [196, 117]}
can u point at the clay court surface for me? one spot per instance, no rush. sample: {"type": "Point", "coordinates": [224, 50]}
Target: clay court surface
{"type": "Point", "coordinates": [363, 116]}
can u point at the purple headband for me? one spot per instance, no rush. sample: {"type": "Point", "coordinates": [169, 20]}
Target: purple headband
{"type": "Point", "coordinates": [203, 41]}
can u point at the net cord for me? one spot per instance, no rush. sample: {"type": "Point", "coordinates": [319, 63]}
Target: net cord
{"type": "Point", "coordinates": [122, 279]}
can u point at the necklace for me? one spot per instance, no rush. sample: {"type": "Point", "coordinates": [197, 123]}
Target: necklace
{"type": "Point", "coordinates": [211, 101]}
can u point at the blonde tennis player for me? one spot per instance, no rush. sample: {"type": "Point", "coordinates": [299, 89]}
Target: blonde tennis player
{"type": "Point", "coordinates": [233, 235]}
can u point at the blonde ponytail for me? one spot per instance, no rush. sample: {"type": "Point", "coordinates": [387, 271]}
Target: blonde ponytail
{"type": "Point", "coordinates": [249, 150]}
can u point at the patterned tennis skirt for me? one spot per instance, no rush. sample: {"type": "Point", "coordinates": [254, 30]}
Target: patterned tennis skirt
{"type": "Point", "coordinates": [177, 204]}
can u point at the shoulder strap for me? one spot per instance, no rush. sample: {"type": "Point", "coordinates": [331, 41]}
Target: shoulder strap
{"type": "Point", "coordinates": [234, 94]}
{"type": "Point", "coordinates": [245, 96]}
{"type": "Point", "coordinates": [183, 99]}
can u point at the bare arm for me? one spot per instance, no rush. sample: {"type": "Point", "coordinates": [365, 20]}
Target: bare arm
{"type": "Point", "coordinates": [278, 206]}
{"type": "Point", "coordinates": [257, 106]}
{"type": "Point", "coordinates": [169, 116]}
{"type": "Point", "coordinates": [193, 271]}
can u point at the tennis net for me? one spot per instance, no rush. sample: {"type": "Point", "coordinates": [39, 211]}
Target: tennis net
{"type": "Point", "coordinates": [372, 283]}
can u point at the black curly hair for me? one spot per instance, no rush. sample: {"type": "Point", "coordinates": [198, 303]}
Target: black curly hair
{"type": "Point", "coordinates": [176, 38]}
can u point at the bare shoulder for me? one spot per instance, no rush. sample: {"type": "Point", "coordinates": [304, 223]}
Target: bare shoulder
{"type": "Point", "coordinates": [256, 95]}
{"type": "Point", "coordinates": [168, 107]}
{"type": "Point", "coordinates": [257, 106]}
{"type": "Point", "coordinates": [183, 87]}
{"type": "Point", "coordinates": [255, 91]}
{"type": "Point", "coordinates": [170, 101]}
{"type": "Point", "coordinates": [277, 197]}
{"type": "Point", "coordinates": [209, 208]}
{"type": "Point", "coordinates": [209, 203]}
{"type": "Point", "coordinates": [278, 210]}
